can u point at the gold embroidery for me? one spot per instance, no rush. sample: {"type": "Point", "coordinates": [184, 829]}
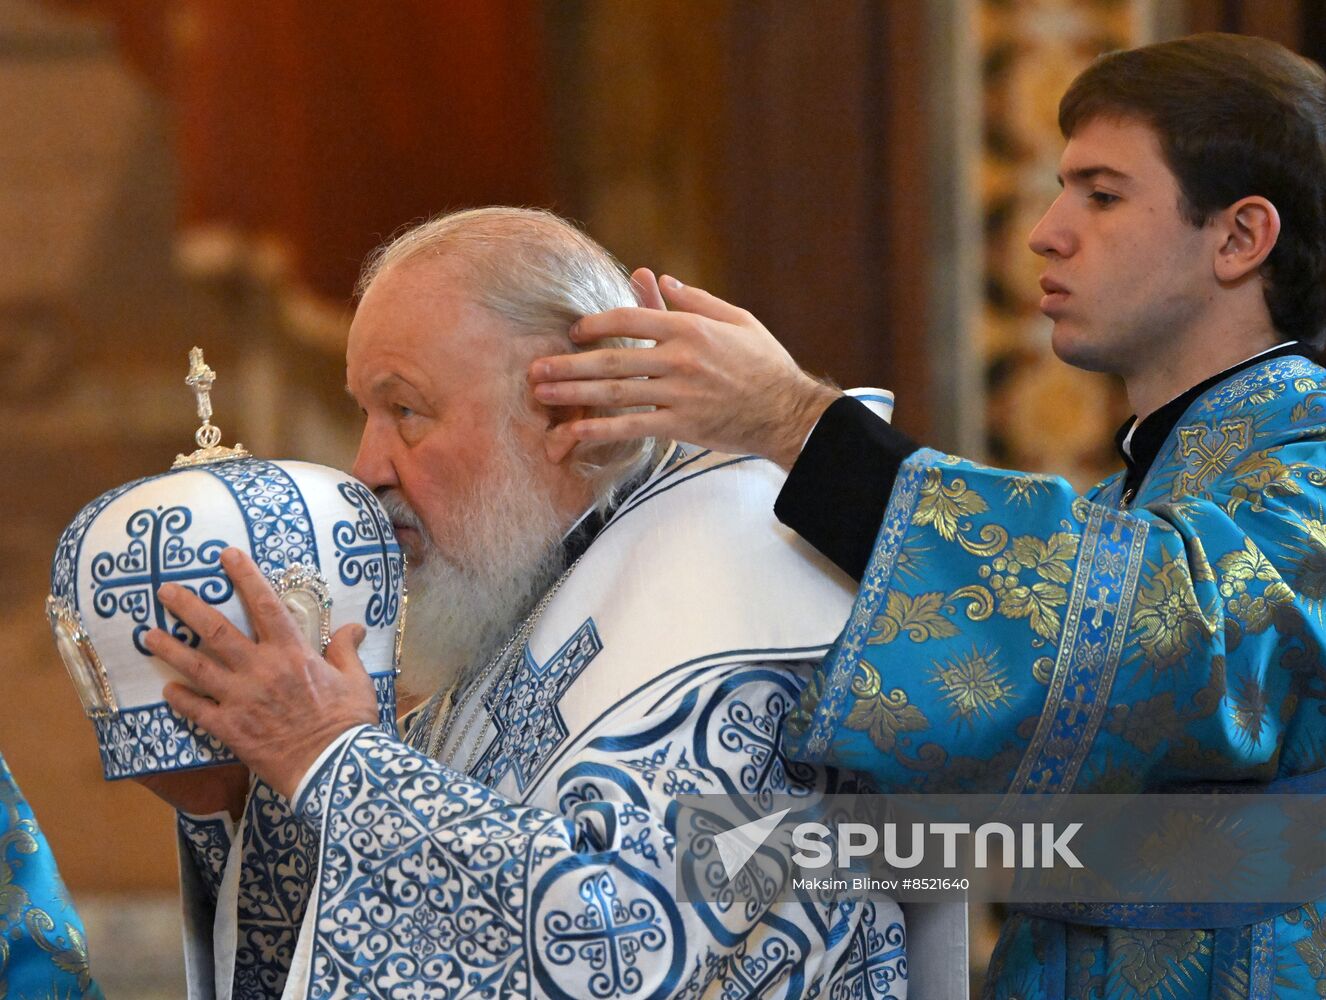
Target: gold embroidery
{"type": "Point", "coordinates": [921, 617]}
{"type": "Point", "coordinates": [1312, 949]}
{"type": "Point", "coordinates": [1159, 960]}
{"type": "Point", "coordinates": [1025, 488]}
{"type": "Point", "coordinates": [798, 720]}
{"type": "Point", "coordinates": [942, 505]}
{"type": "Point", "coordinates": [972, 683]}
{"type": "Point", "coordinates": [1167, 617]}
{"type": "Point", "coordinates": [1308, 570]}
{"type": "Point", "coordinates": [1254, 613]}
{"type": "Point", "coordinates": [982, 603]}
{"type": "Point", "coordinates": [1146, 724]}
{"type": "Point", "coordinates": [1237, 568]}
{"type": "Point", "coordinates": [1208, 452]}
{"type": "Point", "coordinates": [1261, 476]}
{"type": "Point", "coordinates": [1249, 708]}
{"type": "Point", "coordinates": [1166, 854]}
{"type": "Point", "coordinates": [911, 561]}
{"type": "Point", "coordinates": [68, 951]}
{"type": "Point", "coordinates": [883, 714]}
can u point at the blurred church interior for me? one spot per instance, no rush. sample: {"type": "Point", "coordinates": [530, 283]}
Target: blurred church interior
{"type": "Point", "coordinates": [861, 174]}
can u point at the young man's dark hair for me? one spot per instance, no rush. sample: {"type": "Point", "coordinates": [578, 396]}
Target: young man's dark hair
{"type": "Point", "coordinates": [1236, 116]}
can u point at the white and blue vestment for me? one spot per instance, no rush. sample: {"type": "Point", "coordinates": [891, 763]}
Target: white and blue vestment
{"type": "Point", "coordinates": [535, 856]}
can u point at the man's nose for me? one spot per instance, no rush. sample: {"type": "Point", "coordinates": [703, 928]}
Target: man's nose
{"type": "Point", "coordinates": [1053, 235]}
{"type": "Point", "coordinates": [373, 466]}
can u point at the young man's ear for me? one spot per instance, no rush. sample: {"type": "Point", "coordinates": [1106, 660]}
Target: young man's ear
{"type": "Point", "coordinates": [557, 443]}
{"type": "Point", "coordinates": [1249, 228]}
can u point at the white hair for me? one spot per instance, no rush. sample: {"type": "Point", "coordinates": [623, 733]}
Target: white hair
{"type": "Point", "coordinates": [541, 273]}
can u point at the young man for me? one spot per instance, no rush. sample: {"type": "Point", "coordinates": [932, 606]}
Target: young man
{"type": "Point", "coordinates": [1010, 635]}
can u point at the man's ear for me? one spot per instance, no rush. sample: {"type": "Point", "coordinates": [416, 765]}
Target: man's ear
{"type": "Point", "coordinates": [1249, 228]}
{"type": "Point", "coordinates": [559, 445]}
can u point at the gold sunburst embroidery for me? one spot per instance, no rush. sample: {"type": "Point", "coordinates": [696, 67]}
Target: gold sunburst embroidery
{"type": "Point", "coordinates": [972, 684]}
{"type": "Point", "coordinates": [1249, 709]}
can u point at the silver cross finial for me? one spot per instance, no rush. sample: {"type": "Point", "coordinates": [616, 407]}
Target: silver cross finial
{"type": "Point", "coordinates": [208, 436]}
{"type": "Point", "coordinates": [200, 379]}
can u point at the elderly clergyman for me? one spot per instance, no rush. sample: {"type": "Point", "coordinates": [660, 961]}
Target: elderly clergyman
{"type": "Point", "coordinates": [594, 632]}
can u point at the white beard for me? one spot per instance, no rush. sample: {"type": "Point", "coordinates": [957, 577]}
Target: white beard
{"type": "Point", "coordinates": [463, 606]}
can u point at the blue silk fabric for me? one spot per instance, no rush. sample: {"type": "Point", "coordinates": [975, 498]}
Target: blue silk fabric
{"type": "Point", "coordinates": [1012, 635]}
{"type": "Point", "coordinates": [43, 951]}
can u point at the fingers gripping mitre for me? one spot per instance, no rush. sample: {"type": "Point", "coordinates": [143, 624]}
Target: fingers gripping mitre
{"type": "Point", "coordinates": [317, 536]}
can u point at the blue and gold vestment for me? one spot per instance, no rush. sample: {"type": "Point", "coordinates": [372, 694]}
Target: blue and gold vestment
{"type": "Point", "coordinates": [1011, 635]}
{"type": "Point", "coordinates": [43, 952]}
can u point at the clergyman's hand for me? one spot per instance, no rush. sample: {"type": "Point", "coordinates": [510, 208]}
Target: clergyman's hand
{"type": "Point", "coordinates": [716, 378]}
{"type": "Point", "coordinates": [274, 702]}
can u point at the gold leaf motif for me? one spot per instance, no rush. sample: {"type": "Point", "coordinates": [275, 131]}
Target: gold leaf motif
{"type": "Point", "coordinates": [1243, 565]}
{"type": "Point", "coordinates": [921, 617]}
{"type": "Point", "coordinates": [1315, 529]}
{"type": "Point", "coordinates": [942, 505]}
{"type": "Point", "coordinates": [1036, 603]}
{"type": "Point", "coordinates": [1261, 476]}
{"type": "Point", "coordinates": [1199, 563]}
{"type": "Point", "coordinates": [1051, 559]}
{"type": "Point", "coordinates": [1159, 962]}
{"type": "Point", "coordinates": [68, 951]}
{"type": "Point", "coordinates": [882, 714]}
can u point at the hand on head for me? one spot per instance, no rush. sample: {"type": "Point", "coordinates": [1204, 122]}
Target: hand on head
{"type": "Point", "coordinates": [272, 700]}
{"type": "Point", "coordinates": [715, 377]}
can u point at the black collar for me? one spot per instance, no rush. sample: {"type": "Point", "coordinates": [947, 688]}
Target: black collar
{"type": "Point", "coordinates": [1145, 442]}
{"type": "Point", "coordinates": [585, 530]}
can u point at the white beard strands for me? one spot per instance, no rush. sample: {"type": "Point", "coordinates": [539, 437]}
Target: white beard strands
{"type": "Point", "coordinates": [465, 604]}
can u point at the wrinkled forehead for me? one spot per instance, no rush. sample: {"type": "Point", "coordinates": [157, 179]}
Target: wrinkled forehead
{"type": "Point", "coordinates": [419, 322]}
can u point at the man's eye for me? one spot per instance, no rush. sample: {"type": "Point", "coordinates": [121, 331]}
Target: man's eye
{"type": "Point", "coordinates": [1103, 198]}
{"type": "Point", "coordinates": [402, 411]}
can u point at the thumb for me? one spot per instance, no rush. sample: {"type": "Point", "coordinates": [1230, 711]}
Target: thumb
{"type": "Point", "coordinates": [343, 650]}
{"type": "Point", "coordinates": [697, 300]}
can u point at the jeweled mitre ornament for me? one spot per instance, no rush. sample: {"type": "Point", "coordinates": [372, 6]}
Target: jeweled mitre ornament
{"type": "Point", "coordinates": [319, 535]}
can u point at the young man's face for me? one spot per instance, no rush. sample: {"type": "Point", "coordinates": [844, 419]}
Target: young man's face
{"type": "Point", "coordinates": [1127, 279]}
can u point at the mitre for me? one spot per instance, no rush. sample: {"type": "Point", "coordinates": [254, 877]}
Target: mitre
{"type": "Point", "coordinates": [319, 535]}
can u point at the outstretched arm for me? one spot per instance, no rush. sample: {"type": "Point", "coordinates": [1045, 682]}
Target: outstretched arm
{"type": "Point", "coordinates": [716, 377]}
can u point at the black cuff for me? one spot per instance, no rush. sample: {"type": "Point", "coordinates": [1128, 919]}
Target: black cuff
{"type": "Point", "coordinates": [840, 484]}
